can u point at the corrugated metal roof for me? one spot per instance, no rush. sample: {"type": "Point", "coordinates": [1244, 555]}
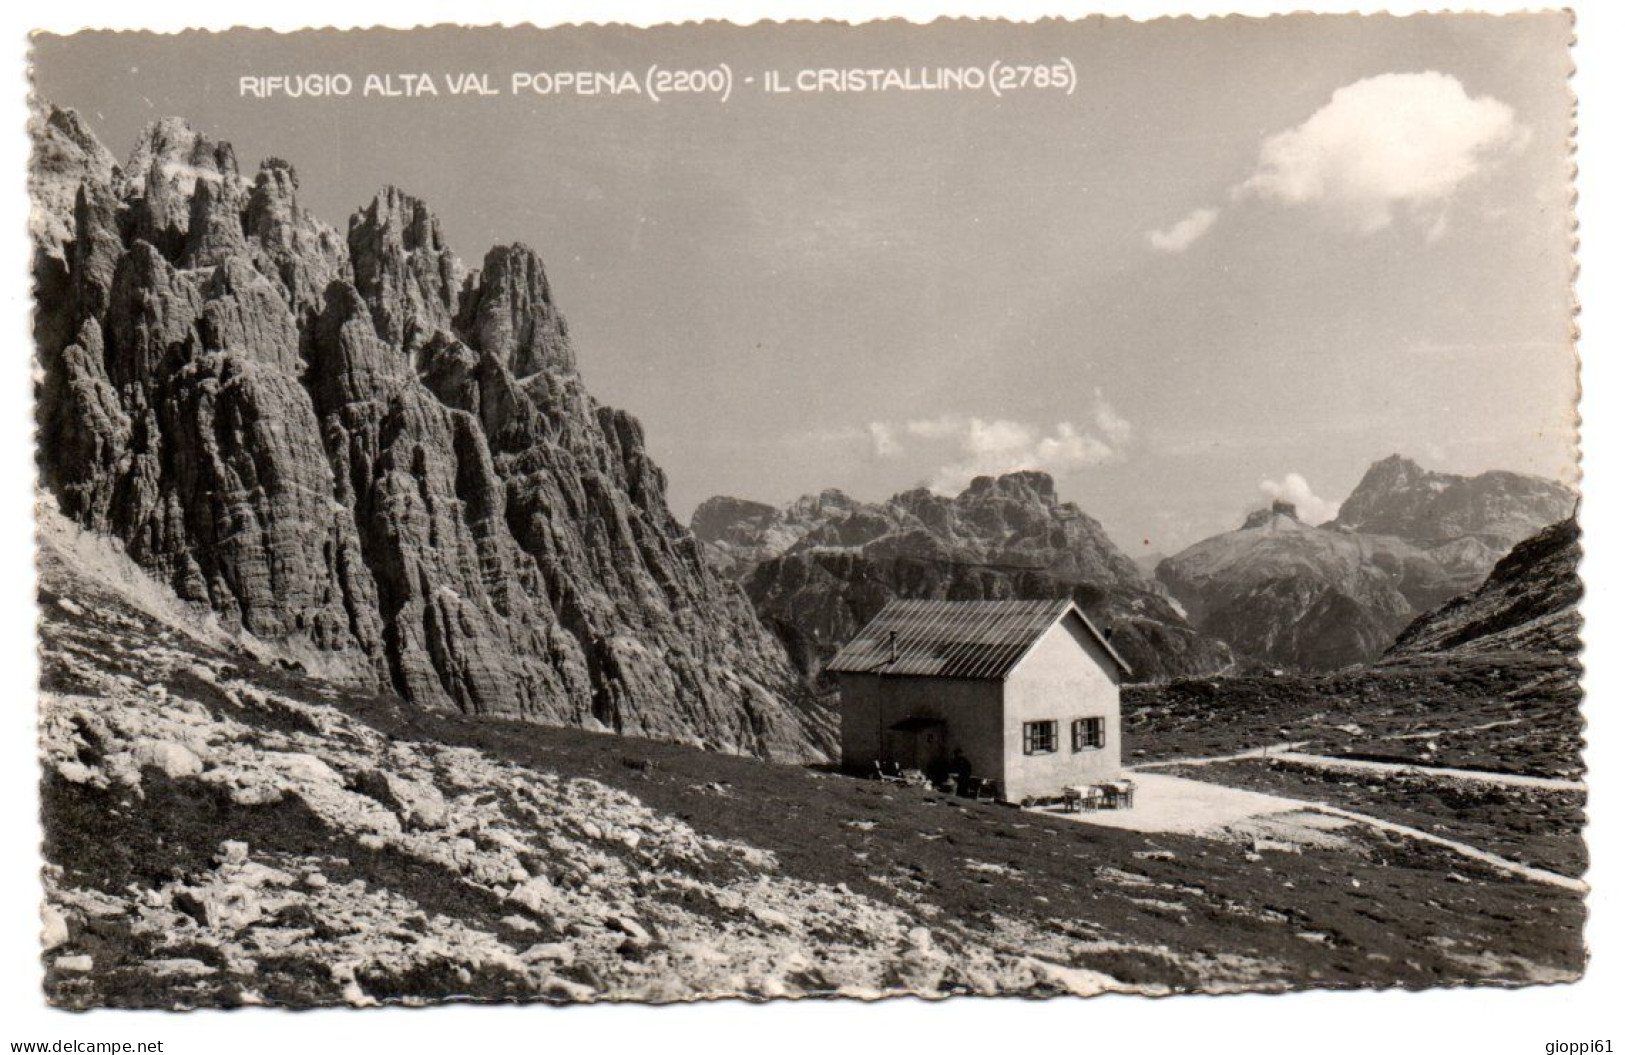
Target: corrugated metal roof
{"type": "Point", "coordinates": [955, 639]}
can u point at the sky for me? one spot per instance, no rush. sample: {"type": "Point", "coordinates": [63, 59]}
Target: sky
{"type": "Point", "coordinates": [1238, 260]}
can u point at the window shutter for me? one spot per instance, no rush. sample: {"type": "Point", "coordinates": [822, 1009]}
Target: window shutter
{"type": "Point", "coordinates": [1039, 738]}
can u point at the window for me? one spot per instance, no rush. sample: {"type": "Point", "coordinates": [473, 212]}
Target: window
{"type": "Point", "coordinates": [1088, 733]}
{"type": "Point", "coordinates": [1038, 738]}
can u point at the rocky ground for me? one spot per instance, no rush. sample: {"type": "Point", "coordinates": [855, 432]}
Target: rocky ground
{"type": "Point", "coordinates": [223, 829]}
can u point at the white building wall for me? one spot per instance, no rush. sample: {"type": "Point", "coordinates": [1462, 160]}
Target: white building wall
{"type": "Point", "coordinates": [1066, 675]}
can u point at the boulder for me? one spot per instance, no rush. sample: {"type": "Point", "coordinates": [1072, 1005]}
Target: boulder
{"type": "Point", "coordinates": [535, 894]}
{"type": "Point", "coordinates": [54, 928]}
{"type": "Point", "coordinates": [174, 759]}
{"type": "Point", "coordinates": [555, 952]}
{"type": "Point", "coordinates": [419, 804]}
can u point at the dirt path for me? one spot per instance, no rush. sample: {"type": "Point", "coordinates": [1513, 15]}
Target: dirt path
{"type": "Point", "coordinates": [1516, 780]}
{"type": "Point", "coordinates": [1268, 751]}
{"type": "Point", "coordinates": [1287, 752]}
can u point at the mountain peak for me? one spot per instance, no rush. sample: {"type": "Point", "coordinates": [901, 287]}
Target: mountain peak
{"type": "Point", "coordinates": [508, 312]}
{"type": "Point", "coordinates": [401, 218]}
{"type": "Point", "coordinates": [1020, 483]}
{"type": "Point", "coordinates": [1394, 470]}
{"type": "Point", "coordinates": [1399, 497]}
{"type": "Point", "coordinates": [178, 152]}
{"type": "Point", "coordinates": [66, 157]}
{"type": "Point", "coordinates": [1264, 517]}
{"type": "Point", "coordinates": [67, 123]}
{"type": "Point", "coordinates": [819, 568]}
{"type": "Point", "coordinates": [403, 268]}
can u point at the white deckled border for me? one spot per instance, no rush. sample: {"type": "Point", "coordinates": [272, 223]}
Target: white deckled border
{"type": "Point", "coordinates": [1489, 1021]}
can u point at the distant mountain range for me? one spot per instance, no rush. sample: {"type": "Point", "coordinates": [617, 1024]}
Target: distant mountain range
{"type": "Point", "coordinates": [820, 567]}
{"type": "Point", "coordinates": [1315, 598]}
{"type": "Point", "coordinates": [1276, 592]}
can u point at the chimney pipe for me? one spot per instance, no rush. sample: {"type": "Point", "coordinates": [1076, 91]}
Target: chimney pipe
{"type": "Point", "coordinates": [891, 641]}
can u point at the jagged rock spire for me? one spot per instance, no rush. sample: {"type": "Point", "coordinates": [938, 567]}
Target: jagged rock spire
{"type": "Point", "coordinates": [403, 269]}
{"type": "Point", "coordinates": [303, 432]}
{"type": "Point", "coordinates": [508, 312]}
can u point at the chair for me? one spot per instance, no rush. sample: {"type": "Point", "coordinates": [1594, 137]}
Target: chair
{"type": "Point", "coordinates": [888, 772]}
{"type": "Point", "coordinates": [1116, 794]}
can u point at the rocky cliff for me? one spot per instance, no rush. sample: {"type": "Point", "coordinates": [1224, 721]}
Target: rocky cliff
{"type": "Point", "coordinates": [821, 567]}
{"type": "Point", "coordinates": [355, 446]}
{"type": "Point", "coordinates": [1529, 603]}
{"type": "Point", "coordinates": [1287, 594]}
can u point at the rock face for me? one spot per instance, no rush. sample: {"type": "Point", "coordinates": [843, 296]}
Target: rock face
{"type": "Point", "coordinates": [1529, 603]}
{"type": "Point", "coordinates": [823, 566]}
{"type": "Point", "coordinates": [355, 446]}
{"type": "Point", "coordinates": [1467, 522]}
{"type": "Point", "coordinates": [1283, 593]}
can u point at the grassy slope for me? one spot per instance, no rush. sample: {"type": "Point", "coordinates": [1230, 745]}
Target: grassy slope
{"type": "Point", "coordinates": [1507, 712]}
{"type": "Point", "coordinates": [1532, 826]}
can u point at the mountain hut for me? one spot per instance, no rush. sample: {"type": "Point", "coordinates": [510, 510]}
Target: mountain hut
{"type": "Point", "coordinates": [1025, 693]}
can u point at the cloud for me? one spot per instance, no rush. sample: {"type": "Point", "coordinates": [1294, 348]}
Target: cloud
{"type": "Point", "coordinates": [1383, 144]}
{"type": "Point", "coordinates": [1312, 509]}
{"type": "Point", "coordinates": [1184, 234]}
{"type": "Point", "coordinates": [1111, 424]}
{"type": "Point", "coordinates": [965, 447]}
{"type": "Point", "coordinates": [934, 428]}
{"type": "Point", "coordinates": [1397, 142]}
{"type": "Point", "coordinates": [884, 440]}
